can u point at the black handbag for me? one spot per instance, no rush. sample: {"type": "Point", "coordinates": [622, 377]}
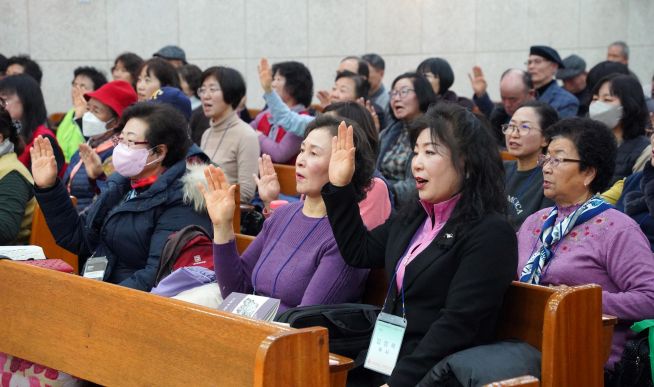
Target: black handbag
{"type": "Point", "coordinates": [350, 325]}
{"type": "Point", "coordinates": [633, 369]}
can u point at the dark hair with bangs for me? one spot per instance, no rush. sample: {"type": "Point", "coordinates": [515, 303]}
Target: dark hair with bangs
{"type": "Point", "coordinates": [364, 160]}
{"type": "Point", "coordinates": [162, 70]}
{"type": "Point", "coordinates": [132, 64]}
{"type": "Point", "coordinates": [361, 84]}
{"type": "Point", "coordinates": [441, 69]}
{"type": "Point", "coordinates": [475, 159]}
{"type": "Point", "coordinates": [595, 144]}
{"type": "Point", "coordinates": [231, 83]}
{"type": "Point", "coordinates": [96, 76]}
{"type": "Point", "coordinates": [299, 83]}
{"type": "Point", "coordinates": [29, 93]}
{"type": "Point", "coordinates": [635, 115]}
{"type": "Point", "coordinates": [421, 87]}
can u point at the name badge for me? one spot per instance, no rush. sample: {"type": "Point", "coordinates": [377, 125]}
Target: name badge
{"type": "Point", "coordinates": [95, 267]}
{"type": "Point", "coordinates": [385, 343]}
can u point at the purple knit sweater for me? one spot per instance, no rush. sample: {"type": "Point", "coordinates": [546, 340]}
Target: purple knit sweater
{"type": "Point", "coordinates": [294, 258]}
{"type": "Point", "coordinates": [609, 250]}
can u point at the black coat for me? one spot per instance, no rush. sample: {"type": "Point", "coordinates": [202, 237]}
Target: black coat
{"type": "Point", "coordinates": [453, 289]}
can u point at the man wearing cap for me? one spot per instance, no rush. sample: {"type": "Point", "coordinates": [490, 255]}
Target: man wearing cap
{"type": "Point", "coordinates": [542, 65]}
{"type": "Point", "coordinates": [574, 76]}
{"type": "Point", "coordinates": [173, 54]}
{"type": "Point", "coordinates": [89, 167]}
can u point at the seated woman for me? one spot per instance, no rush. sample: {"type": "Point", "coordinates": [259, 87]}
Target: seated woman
{"type": "Point", "coordinates": [441, 77]}
{"type": "Point", "coordinates": [91, 165]}
{"type": "Point", "coordinates": [69, 134]}
{"type": "Point", "coordinates": [582, 239]}
{"type": "Point", "coordinates": [450, 256]}
{"type": "Point", "coordinates": [295, 257]}
{"type": "Point", "coordinates": [127, 68]}
{"type": "Point", "coordinates": [154, 74]}
{"type": "Point", "coordinates": [618, 102]}
{"type": "Point", "coordinates": [523, 177]}
{"type": "Point", "coordinates": [293, 83]}
{"type": "Point", "coordinates": [142, 205]}
{"type": "Point", "coordinates": [229, 141]}
{"type": "Point", "coordinates": [24, 102]}
{"type": "Point", "coordinates": [16, 186]}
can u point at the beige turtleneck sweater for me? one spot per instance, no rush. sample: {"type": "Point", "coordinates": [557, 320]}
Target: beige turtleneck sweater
{"type": "Point", "coordinates": [234, 146]}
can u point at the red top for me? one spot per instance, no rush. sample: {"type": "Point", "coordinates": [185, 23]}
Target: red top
{"type": "Point", "coordinates": [24, 157]}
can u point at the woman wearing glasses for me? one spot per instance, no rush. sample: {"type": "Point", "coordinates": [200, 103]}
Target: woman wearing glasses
{"type": "Point", "coordinates": [523, 177]}
{"type": "Point", "coordinates": [411, 94]}
{"type": "Point", "coordinates": [582, 239]}
{"type": "Point", "coordinates": [128, 224]}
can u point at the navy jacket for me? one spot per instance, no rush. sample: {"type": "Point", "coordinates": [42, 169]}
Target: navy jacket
{"type": "Point", "coordinates": [561, 100]}
{"type": "Point", "coordinates": [637, 200]}
{"type": "Point", "coordinates": [132, 233]}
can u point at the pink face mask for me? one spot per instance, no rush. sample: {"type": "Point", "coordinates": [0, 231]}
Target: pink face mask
{"type": "Point", "coordinates": [130, 162]}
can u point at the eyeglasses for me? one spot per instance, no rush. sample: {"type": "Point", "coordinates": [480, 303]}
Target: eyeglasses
{"type": "Point", "coordinates": [211, 90]}
{"type": "Point", "coordinates": [554, 161]}
{"type": "Point", "coordinates": [523, 129]}
{"type": "Point", "coordinates": [119, 139]}
{"type": "Point", "coordinates": [402, 92]}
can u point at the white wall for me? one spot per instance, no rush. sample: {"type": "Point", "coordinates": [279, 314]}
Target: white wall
{"type": "Point", "coordinates": [495, 34]}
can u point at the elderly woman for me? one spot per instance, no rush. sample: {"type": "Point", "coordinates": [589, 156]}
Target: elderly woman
{"type": "Point", "coordinates": [525, 141]}
{"type": "Point", "coordinates": [16, 186]}
{"type": "Point", "coordinates": [618, 102]}
{"type": "Point", "coordinates": [582, 239]}
{"type": "Point", "coordinates": [295, 257]}
{"type": "Point", "coordinates": [229, 141]}
{"type": "Point", "coordinates": [142, 206]}
{"type": "Point", "coordinates": [450, 256]}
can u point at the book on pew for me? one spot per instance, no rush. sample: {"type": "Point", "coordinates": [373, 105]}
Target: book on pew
{"type": "Point", "coordinates": [22, 253]}
{"type": "Point", "coordinates": [250, 305]}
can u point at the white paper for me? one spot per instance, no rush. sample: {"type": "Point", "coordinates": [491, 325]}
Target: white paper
{"type": "Point", "coordinates": [22, 253]}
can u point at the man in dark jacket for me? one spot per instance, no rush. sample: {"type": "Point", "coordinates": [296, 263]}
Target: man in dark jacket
{"type": "Point", "coordinates": [542, 65]}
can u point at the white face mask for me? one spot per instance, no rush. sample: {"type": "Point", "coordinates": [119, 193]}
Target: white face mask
{"type": "Point", "coordinates": [605, 113]}
{"type": "Point", "coordinates": [92, 126]}
{"type": "Point", "coordinates": [6, 147]}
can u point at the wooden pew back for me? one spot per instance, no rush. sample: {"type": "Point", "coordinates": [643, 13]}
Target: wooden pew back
{"type": "Point", "coordinates": [112, 335]}
{"type": "Point", "coordinates": [286, 177]}
{"type": "Point", "coordinates": [41, 236]}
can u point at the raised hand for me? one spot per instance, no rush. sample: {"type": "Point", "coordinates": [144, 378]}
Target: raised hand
{"type": "Point", "coordinates": [323, 97]}
{"type": "Point", "coordinates": [219, 197]}
{"type": "Point", "coordinates": [91, 160]}
{"type": "Point", "coordinates": [371, 109]}
{"type": "Point", "coordinates": [477, 81]}
{"type": "Point", "coordinates": [265, 75]}
{"type": "Point", "coordinates": [79, 102]}
{"type": "Point", "coordinates": [341, 164]}
{"type": "Point", "coordinates": [267, 183]}
{"type": "Point", "coordinates": [44, 166]}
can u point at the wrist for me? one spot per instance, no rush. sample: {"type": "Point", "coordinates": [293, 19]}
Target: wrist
{"type": "Point", "coordinates": [223, 233]}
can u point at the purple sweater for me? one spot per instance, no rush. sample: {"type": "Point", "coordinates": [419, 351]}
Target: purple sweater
{"type": "Point", "coordinates": [314, 274]}
{"type": "Point", "coordinates": [609, 250]}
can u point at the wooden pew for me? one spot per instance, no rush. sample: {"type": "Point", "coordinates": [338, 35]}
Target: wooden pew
{"type": "Point", "coordinates": [506, 156]}
{"type": "Point", "coordinates": [286, 177]}
{"type": "Point", "coordinates": [566, 325]}
{"type": "Point", "coordinates": [112, 335]}
{"type": "Point", "coordinates": [41, 236]}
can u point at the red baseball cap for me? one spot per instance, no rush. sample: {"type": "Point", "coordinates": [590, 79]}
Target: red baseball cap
{"type": "Point", "coordinates": [118, 95]}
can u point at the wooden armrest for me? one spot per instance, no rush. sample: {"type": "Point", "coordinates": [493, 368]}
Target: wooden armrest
{"type": "Point", "coordinates": [338, 368]}
{"type": "Point", "coordinates": [608, 320]}
{"type": "Point", "coordinates": [527, 381]}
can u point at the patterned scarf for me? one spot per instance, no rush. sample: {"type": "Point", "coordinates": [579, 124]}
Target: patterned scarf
{"type": "Point", "coordinates": [552, 233]}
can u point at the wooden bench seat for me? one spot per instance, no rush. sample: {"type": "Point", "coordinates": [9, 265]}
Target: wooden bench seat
{"type": "Point", "coordinates": [112, 335]}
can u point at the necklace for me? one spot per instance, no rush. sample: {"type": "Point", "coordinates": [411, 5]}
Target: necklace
{"type": "Point", "coordinates": [220, 142]}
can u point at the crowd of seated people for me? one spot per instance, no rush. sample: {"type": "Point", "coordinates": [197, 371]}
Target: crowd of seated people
{"type": "Point", "coordinates": [408, 179]}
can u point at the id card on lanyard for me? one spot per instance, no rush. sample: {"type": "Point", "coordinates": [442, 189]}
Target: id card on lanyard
{"type": "Point", "coordinates": [95, 267]}
{"type": "Point", "coordinates": [386, 338]}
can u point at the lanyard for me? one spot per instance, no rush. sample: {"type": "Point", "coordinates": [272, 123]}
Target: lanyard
{"type": "Point", "coordinates": [388, 292]}
{"type": "Point", "coordinates": [256, 274]}
{"type": "Point", "coordinates": [101, 148]}
{"type": "Point", "coordinates": [220, 142]}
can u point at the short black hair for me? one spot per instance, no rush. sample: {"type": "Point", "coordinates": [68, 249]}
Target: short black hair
{"type": "Point", "coordinates": [364, 160]}
{"type": "Point", "coordinates": [29, 65]}
{"type": "Point", "coordinates": [231, 83]}
{"type": "Point", "coordinates": [132, 64]}
{"type": "Point", "coordinates": [361, 84]}
{"type": "Point", "coordinates": [547, 115]}
{"type": "Point", "coordinates": [162, 70]}
{"type": "Point", "coordinates": [440, 68]}
{"type": "Point", "coordinates": [166, 126]}
{"type": "Point", "coordinates": [9, 131]}
{"type": "Point", "coordinates": [192, 75]}
{"type": "Point", "coordinates": [603, 69]}
{"type": "Point", "coordinates": [421, 87]}
{"type": "Point", "coordinates": [3, 64]}
{"type": "Point", "coordinates": [96, 76]}
{"type": "Point", "coordinates": [31, 97]}
{"type": "Point", "coordinates": [362, 65]}
{"type": "Point", "coordinates": [477, 162]}
{"type": "Point", "coordinates": [359, 114]}
{"type": "Point", "coordinates": [635, 115]}
{"type": "Point", "coordinates": [595, 144]}
{"type": "Point", "coordinates": [299, 83]}
{"type": "Point", "coordinates": [375, 61]}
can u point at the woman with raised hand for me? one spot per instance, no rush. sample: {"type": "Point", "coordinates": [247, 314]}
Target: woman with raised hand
{"type": "Point", "coordinates": [582, 239]}
{"type": "Point", "coordinates": [526, 142]}
{"type": "Point", "coordinates": [450, 256]}
{"type": "Point", "coordinates": [142, 206]}
{"type": "Point", "coordinates": [294, 258]}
